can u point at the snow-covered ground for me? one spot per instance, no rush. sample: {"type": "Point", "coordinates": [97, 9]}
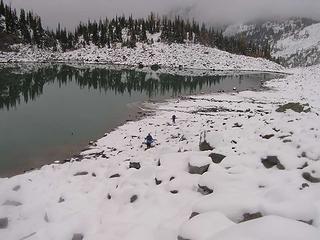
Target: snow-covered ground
{"type": "Point", "coordinates": [260, 180]}
{"type": "Point", "coordinates": [189, 56]}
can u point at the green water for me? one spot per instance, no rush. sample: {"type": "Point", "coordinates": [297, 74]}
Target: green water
{"type": "Point", "coordinates": [49, 112]}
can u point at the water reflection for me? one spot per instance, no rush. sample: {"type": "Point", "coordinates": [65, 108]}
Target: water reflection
{"type": "Point", "coordinates": [17, 86]}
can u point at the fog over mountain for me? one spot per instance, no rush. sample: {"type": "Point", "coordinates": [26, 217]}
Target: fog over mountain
{"type": "Point", "coordinates": [70, 12]}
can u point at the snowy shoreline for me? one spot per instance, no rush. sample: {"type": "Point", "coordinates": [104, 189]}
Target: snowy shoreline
{"type": "Point", "coordinates": [172, 56]}
{"type": "Point", "coordinates": [261, 167]}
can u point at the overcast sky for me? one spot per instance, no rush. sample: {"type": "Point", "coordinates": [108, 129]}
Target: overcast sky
{"type": "Point", "coordinates": [70, 12]}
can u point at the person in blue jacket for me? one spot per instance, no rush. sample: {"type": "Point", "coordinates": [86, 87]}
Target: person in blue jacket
{"type": "Point", "coordinates": [149, 140]}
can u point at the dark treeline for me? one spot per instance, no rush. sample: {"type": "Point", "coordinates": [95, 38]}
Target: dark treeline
{"type": "Point", "coordinates": [124, 30]}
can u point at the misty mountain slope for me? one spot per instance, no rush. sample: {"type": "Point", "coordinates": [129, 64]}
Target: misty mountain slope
{"type": "Point", "coordinates": [295, 41]}
{"type": "Point", "coordinates": [302, 48]}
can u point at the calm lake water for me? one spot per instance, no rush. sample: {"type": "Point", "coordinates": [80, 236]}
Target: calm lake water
{"type": "Point", "coordinates": [49, 112]}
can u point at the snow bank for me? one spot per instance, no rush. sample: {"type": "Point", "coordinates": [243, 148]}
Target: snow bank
{"type": "Point", "coordinates": [266, 228]}
{"type": "Point", "coordinates": [268, 181]}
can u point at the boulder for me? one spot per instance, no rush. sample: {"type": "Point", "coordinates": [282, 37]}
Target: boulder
{"type": "Point", "coordinates": [181, 238]}
{"type": "Point", "coordinates": [198, 169]}
{"type": "Point", "coordinates": [198, 164]}
{"type": "Point", "coordinates": [307, 176]}
{"type": "Point", "coordinates": [16, 188]}
{"type": "Point", "coordinates": [3, 223]}
{"type": "Point", "coordinates": [267, 136]}
{"type": "Point", "coordinates": [294, 106]}
{"type": "Point", "coordinates": [77, 236]}
{"type": "Point", "coordinates": [135, 165]}
{"type": "Point", "coordinates": [216, 157]}
{"type": "Point", "coordinates": [158, 181]}
{"type": "Point", "coordinates": [133, 198]}
{"type": "Point", "coordinates": [80, 173]}
{"type": "Point", "coordinates": [115, 175]}
{"type": "Point", "coordinates": [203, 144]}
{"type": "Point", "coordinates": [11, 203]}
{"type": "Point", "coordinates": [204, 190]}
{"type": "Point", "coordinates": [193, 214]}
{"type": "Point", "coordinates": [251, 216]}
{"type": "Point", "coordinates": [271, 161]}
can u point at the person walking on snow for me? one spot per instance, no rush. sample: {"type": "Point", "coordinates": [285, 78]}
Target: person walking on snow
{"type": "Point", "coordinates": [173, 118]}
{"type": "Point", "coordinates": [149, 140]}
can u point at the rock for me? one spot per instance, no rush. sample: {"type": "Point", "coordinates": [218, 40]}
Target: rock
{"type": "Point", "coordinates": [271, 161]}
{"type": "Point", "coordinates": [133, 198]}
{"type": "Point", "coordinates": [237, 125]}
{"type": "Point", "coordinates": [275, 129]}
{"type": "Point", "coordinates": [216, 157]}
{"type": "Point", "coordinates": [304, 185]}
{"type": "Point", "coordinates": [171, 178]}
{"type": "Point", "coordinates": [4, 223]}
{"type": "Point", "coordinates": [92, 143]}
{"type": "Point", "coordinates": [77, 236]}
{"type": "Point", "coordinates": [304, 166]}
{"type": "Point", "coordinates": [61, 199]}
{"type": "Point", "coordinates": [109, 196]}
{"type": "Point", "coordinates": [93, 175]}
{"type": "Point", "coordinates": [16, 188]}
{"type": "Point", "coordinates": [181, 238]}
{"type": "Point", "coordinates": [11, 203]}
{"type": "Point", "coordinates": [155, 67]}
{"type": "Point", "coordinates": [158, 181]}
{"type": "Point", "coordinates": [193, 214]}
{"type": "Point", "coordinates": [115, 175]}
{"type": "Point", "coordinates": [250, 216]}
{"type": "Point", "coordinates": [183, 138]}
{"type": "Point", "coordinates": [204, 190]}
{"type": "Point", "coordinates": [205, 146]}
{"type": "Point", "coordinates": [198, 170]}
{"type": "Point", "coordinates": [80, 173]}
{"type": "Point", "coordinates": [267, 136]}
{"type": "Point", "coordinates": [310, 222]}
{"type": "Point", "coordinates": [174, 191]}
{"type": "Point", "coordinates": [297, 107]}
{"type": "Point", "coordinates": [307, 176]}
{"type": "Point", "coordinates": [135, 165]}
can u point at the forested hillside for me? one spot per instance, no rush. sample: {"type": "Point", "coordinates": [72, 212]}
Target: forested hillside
{"type": "Point", "coordinates": [26, 27]}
